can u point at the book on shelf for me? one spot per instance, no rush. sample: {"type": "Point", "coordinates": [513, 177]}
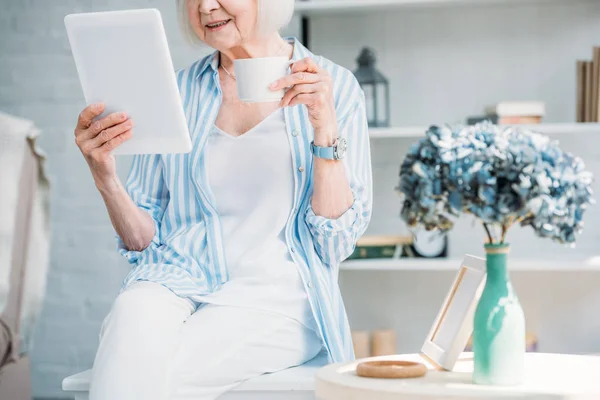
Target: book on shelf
{"type": "Point", "coordinates": [587, 94]}
{"type": "Point", "coordinates": [587, 113]}
{"type": "Point", "coordinates": [519, 120]}
{"type": "Point", "coordinates": [595, 78]}
{"type": "Point", "coordinates": [517, 112]}
{"type": "Point", "coordinates": [580, 101]}
{"type": "Point", "coordinates": [382, 246]}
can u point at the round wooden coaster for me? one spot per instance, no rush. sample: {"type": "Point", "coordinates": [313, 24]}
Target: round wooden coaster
{"type": "Point", "coordinates": [391, 369]}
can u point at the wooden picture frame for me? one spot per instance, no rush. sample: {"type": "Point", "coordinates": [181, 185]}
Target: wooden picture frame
{"type": "Point", "coordinates": [453, 325]}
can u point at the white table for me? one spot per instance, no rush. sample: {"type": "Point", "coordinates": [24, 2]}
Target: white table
{"type": "Point", "coordinates": [548, 377]}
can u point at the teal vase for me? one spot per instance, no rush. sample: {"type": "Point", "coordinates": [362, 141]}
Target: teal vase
{"type": "Point", "coordinates": [498, 326]}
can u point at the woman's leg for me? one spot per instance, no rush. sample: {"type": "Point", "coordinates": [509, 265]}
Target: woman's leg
{"type": "Point", "coordinates": [137, 342]}
{"type": "Point", "coordinates": [221, 346]}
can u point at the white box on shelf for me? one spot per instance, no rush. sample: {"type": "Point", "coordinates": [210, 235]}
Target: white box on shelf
{"type": "Point", "coordinates": [517, 108]}
{"type": "Point", "coordinates": [453, 325]}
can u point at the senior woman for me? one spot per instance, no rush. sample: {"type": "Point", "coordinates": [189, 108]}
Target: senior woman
{"type": "Point", "coordinates": [235, 246]}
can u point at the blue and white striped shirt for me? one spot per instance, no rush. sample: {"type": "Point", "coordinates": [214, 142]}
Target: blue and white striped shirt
{"type": "Point", "coordinates": [186, 254]}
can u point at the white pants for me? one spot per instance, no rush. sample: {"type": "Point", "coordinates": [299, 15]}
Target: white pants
{"type": "Point", "coordinates": [155, 345]}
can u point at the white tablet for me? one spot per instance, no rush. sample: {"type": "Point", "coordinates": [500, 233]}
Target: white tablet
{"type": "Point", "coordinates": [123, 60]}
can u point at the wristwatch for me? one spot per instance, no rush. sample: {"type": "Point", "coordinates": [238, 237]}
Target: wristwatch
{"type": "Point", "coordinates": [335, 152]}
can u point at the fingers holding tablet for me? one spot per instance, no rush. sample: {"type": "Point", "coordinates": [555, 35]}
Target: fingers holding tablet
{"type": "Point", "coordinates": [115, 142]}
{"type": "Point", "coordinates": [86, 117]}
{"type": "Point", "coordinates": [98, 138]}
{"type": "Point", "coordinates": [106, 133]}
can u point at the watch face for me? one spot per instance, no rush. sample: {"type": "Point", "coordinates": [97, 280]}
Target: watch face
{"type": "Point", "coordinates": [340, 149]}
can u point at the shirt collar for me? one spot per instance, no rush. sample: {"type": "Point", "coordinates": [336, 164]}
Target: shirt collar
{"type": "Point", "coordinates": [212, 60]}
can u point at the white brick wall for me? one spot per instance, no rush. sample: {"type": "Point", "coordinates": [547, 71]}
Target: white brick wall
{"type": "Point", "coordinates": [38, 81]}
{"type": "Point", "coordinates": [425, 53]}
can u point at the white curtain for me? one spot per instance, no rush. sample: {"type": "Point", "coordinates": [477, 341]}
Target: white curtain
{"type": "Point", "coordinates": [17, 145]}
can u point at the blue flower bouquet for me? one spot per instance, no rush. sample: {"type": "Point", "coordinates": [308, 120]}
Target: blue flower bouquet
{"type": "Point", "coordinates": [503, 176]}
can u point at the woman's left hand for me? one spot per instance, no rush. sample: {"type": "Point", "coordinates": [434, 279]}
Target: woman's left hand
{"type": "Point", "coordinates": [311, 85]}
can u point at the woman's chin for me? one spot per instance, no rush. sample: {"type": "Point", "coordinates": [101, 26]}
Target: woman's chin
{"type": "Point", "coordinates": [221, 41]}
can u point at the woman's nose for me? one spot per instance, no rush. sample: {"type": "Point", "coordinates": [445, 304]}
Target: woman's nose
{"type": "Point", "coordinates": [208, 6]}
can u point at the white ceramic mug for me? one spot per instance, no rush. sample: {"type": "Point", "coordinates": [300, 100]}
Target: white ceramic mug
{"type": "Point", "coordinates": [254, 75]}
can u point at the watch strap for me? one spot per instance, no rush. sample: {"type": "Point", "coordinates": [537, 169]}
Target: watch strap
{"type": "Point", "coordinates": [323, 152]}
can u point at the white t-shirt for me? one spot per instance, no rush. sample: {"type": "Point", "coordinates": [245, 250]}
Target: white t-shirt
{"type": "Point", "coordinates": [252, 180]}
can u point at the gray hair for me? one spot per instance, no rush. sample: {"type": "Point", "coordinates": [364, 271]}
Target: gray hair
{"type": "Point", "coordinates": [273, 15]}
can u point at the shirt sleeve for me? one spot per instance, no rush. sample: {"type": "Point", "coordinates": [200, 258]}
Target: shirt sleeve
{"type": "Point", "coordinates": [146, 186]}
{"type": "Point", "coordinates": [335, 239]}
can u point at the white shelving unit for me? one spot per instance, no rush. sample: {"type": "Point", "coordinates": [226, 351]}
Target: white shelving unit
{"type": "Point", "coordinates": [547, 129]}
{"type": "Point", "coordinates": [422, 45]}
{"type": "Point", "coordinates": [423, 264]}
{"type": "Point", "coordinates": [346, 6]}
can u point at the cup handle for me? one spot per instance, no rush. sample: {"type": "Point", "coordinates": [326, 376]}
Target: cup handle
{"type": "Point", "coordinates": [289, 64]}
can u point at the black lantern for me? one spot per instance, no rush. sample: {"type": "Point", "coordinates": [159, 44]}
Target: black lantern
{"type": "Point", "coordinates": [376, 88]}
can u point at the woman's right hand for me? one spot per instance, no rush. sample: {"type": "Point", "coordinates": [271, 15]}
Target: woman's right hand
{"type": "Point", "coordinates": [98, 139]}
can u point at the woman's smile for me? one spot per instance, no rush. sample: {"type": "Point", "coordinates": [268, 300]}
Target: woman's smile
{"type": "Point", "coordinates": [217, 25]}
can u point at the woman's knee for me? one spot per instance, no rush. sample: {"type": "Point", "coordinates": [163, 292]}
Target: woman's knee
{"type": "Point", "coordinates": [137, 341]}
{"type": "Point", "coordinates": [143, 307]}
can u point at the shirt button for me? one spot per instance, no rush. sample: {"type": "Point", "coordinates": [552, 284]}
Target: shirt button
{"type": "Point", "coordinates": [292, 250]}
{"type": "Point", "coordinates": [308, 284]}
{"type": "Point", "coordinates": [295, 133]}
{"type": "Point", "coordinates": [301, 169]}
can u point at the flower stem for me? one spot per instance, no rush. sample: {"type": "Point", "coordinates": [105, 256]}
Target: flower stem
{"type": "Point", "coordinates": [487, 230]}
{"type": "Point", "coordinates": [521, 218]}
{"type": "Point", "coordinates": [505, 226]}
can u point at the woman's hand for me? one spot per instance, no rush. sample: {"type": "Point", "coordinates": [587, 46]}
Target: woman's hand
{"type": "Point", "coordinates": [97, 140]}
{"type": "Point", "coordinates": [311, 85]}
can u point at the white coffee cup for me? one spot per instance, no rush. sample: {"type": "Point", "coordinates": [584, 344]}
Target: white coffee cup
{"type": "Point", "coordinates": [254, 75]}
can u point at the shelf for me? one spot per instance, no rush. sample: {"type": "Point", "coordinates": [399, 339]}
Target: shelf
{"type": "Point", "coordinates": [398, 132]}
{"type": "Point", "coordinates": [337, 6]}
{"type": "Point", "coordinates": [415, 132]}
{"type": "Point", "coordinates": [421, 264]}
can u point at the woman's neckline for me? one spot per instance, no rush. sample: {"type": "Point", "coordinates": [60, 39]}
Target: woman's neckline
{"type": "Point", "coordinates": [249, 131]}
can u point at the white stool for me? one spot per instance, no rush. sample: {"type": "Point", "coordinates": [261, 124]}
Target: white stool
{"type": "Point", "coordinates": [295, 383]}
